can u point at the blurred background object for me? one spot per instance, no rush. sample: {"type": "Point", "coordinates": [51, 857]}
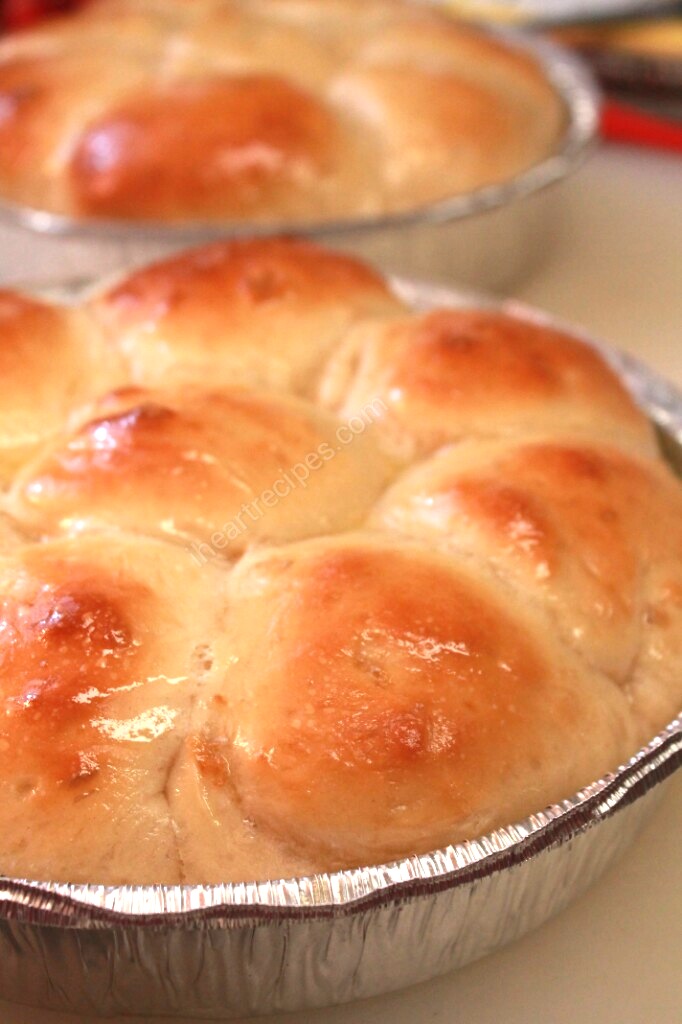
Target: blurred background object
{"type": "Point", "coordinates": [637, 60]}
{"type": "Point", "coordinates": [22, 13]}
{"type": "Point", "coordinates": [639, 64]}
{"type": "Point", "coordinates": [633, 46]}
{"type": "Point", "coordinates": [555, 12]}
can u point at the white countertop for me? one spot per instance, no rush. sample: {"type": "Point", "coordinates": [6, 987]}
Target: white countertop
{"type": "Point", "coordinates": [617, 263]}
{"type": "Point", "coordinates": [615, 956]}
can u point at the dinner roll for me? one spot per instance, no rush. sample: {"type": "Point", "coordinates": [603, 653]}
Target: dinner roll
{"type": "Point", "coordinates": [575, 526]}
{"type": "Point", "coordinates": [454, 373]}
{"type": "Point", "coordinates": [52, 359]}
{"type": "Point", "coordinates": [258, 313]}
{"type": "Point", "coordinates": [383, 699]}
{"type": "Point", "coordinates": [437, 129]}
{"type": "Point", "coordinates": [248, 145]}
{"type": "Point", "coordinates": [222, 468]}
{"type": "Point", "coordinates": [103, 645]}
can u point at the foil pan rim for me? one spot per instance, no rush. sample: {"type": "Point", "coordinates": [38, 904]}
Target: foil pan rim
{"type": "Point", "coordinates": [350, 891]}
{"type": "Point", "coordinates": [537, 14]}
{"type": "Point", "coordinates": [355, 890]}
{"type": "Point", "coordinates": [573, 83]}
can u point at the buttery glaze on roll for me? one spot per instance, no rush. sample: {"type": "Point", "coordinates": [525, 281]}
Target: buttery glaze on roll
{"type": "Point", "coordinates": [228, 467]}
{"type": "Point", "coordinates": [270, 112]}
{"type": "Point", "coordinates": [585, 531]}
{"type": "Point", "coordinates": [103, 647]}
{"type": "Point", "coordinates": [293, 579]}
{"type": "Point", "coordinates": [380, 692]}
{"type": "Point", "coordinates": [450, 374]}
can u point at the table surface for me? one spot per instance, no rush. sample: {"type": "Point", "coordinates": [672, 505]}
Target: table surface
{"type": "Point", "coordinates": [615, 956]}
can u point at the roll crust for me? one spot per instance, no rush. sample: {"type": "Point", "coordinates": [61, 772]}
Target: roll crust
{"type": "Point", "coordinates": [454, 373]}
{"type": "Point", "coordinates": [103, 649]}
{"type": "Point", "coordinates": [380, 693]}
{"type": "Point", "coordinates": [258, 313]}
{"type": "Point", "coordinates": [52, 360]}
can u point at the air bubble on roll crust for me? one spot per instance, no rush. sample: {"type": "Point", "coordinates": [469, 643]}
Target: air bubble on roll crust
{"type": "Point", "coordinates": [202, 661]}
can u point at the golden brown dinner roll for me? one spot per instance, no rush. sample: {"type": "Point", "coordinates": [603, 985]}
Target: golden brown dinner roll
{"type": "Point", "coordinates": [383, 699]}
{"type": "Point", "coordinates": [219, 469]}
{"type": "Point", "coordinates": [244, 146]}
{"type": "Point", "coordinates": [294, 579]}
{"type": "Point", "coordinates": [105, 641]}
{"type": "Point", "coordinates": [573, 526]}
{"type": "Point", "coordinates": [45, 100]}
{"type": "Point", "coordinates": [52, 359]}
{"type": "Point", "coordinates": [455, 50]}
{"type": "Point", "coordinates": [269, 111]}
{"type": "Point", "coordinates": [454, 373]}
{"type": "Point", "coordinates": [238, 40]}
{"type": "Point", "coordinates": [438, 129]}
{"type": "Point", "coordinates": [259, 313]}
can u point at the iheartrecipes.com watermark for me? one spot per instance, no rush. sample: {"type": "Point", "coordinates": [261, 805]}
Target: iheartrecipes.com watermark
{"type": "Point", "coordinates": [294, 478]}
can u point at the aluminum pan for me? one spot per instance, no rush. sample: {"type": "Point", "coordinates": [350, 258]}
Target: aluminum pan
{"type": "Point", "coordinates": [236, 949]}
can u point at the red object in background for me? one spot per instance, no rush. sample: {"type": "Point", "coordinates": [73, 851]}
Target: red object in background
{"type": "Point", "coordinates": [21, 13]}
{"type": "Point", "coordinates": [624, 123]}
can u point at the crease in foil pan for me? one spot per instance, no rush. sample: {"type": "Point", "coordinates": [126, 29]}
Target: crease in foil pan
{"type": "Point", "coordinates": [488, 237]}
{"type": "Point", "coordinates": [220, 951]}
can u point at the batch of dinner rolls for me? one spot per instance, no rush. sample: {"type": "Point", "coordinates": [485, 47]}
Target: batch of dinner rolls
{"type": "Point", "coordinates": [294, 578]}
{"type": "Point", "coordinates": [263, 110]}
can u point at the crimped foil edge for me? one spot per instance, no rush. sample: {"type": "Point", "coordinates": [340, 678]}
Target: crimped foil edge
{"type": "Point", "coordinates": [343, 892]}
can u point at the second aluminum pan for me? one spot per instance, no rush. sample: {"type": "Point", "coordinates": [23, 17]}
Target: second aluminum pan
{"type": "Point", "coordinates": [490, 238]}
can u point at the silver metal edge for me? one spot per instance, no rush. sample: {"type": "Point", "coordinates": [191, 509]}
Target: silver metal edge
{"type": "Point", "coordinates": [344, 892]}
{"type": "Point", "coordinates": [544, 14]}
{"type": "Point", "coordinates": [570, 77]}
